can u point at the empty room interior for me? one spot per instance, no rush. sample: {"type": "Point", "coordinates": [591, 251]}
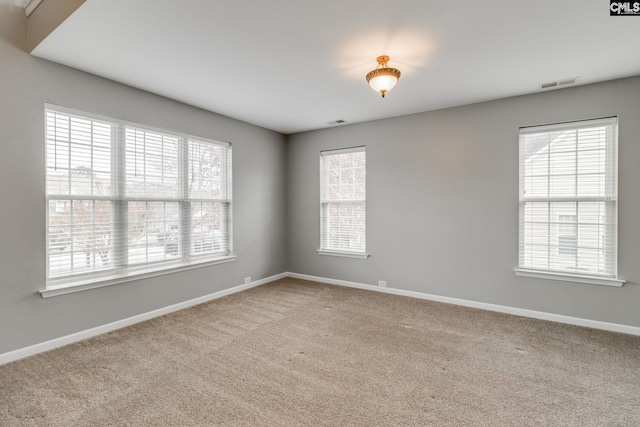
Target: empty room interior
{"type": "Point", "coordinates": [319, 213]}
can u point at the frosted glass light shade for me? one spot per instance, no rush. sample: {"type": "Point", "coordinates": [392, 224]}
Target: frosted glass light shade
{"type": "Point", "coordinates": [383, 82]}
{"type": "Point", "coordinates": [383, 78]}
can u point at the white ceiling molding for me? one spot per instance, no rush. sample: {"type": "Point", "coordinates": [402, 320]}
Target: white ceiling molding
{"type": "Point", "coordinates": [30, 6]}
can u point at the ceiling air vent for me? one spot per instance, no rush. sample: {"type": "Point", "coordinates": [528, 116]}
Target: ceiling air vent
{"type": "Point", "coordinates": [337, 122]}
{"type": "Point", "coordinates": [567, 81]}
{"type": "Point", "coordinates": [558, 83]}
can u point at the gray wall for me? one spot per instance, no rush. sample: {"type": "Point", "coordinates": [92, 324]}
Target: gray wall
{"type": "Point", "coordinates": [26, 83]}
{"type": "Point", "coordinates": [442, 199]}
{"type": "Point", "coordinates": [442, 202]}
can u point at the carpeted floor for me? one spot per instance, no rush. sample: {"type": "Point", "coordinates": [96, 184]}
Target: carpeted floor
{"type": "Point", "coordinates": [300, 353]}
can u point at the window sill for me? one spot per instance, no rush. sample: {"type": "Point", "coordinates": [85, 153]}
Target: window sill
{"type": "Point", "coordinates": [99, 282]}
{"type": "Point", "coordinates": [344, 254]}
{"type": "Point", "coordinates": [591, 280]}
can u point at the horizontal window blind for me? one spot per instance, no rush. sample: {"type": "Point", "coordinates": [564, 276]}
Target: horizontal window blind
{"type": "Point", "coordinates": [122, 197]}
{"type": "Point", "coordinates": [209, 195]}
{"type": "Point", "coordinates": [343, 200]}
{"type": "Point", "coordinates": [80, 194]}
{"type": "Point", "coordinates": [568, 198]}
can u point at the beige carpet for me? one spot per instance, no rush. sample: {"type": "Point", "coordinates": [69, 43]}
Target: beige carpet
{"type": "Point", "coordinates": [299, 353]}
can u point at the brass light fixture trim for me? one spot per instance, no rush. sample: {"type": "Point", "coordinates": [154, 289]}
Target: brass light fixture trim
{"type": "Point", "coordinates": [383, 78]}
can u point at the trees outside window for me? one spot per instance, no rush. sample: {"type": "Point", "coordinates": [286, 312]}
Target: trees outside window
{"type": "Point", "coordinates": [123, 197]}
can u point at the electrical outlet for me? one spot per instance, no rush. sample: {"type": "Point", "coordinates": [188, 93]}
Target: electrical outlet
{"type": "Point", "coordinates": [382, 283]}
{"type": "Point", "coordinates": [247, 280]}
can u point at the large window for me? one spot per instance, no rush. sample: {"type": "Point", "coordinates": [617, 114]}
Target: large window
{"type": "Point", "coordinates": [568, 200]}
{"type": "Point", "coordinates": [124, 199]}
{"type": "Point", "coordinates": [343, 202]}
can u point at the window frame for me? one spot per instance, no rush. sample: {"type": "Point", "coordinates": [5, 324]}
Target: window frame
{"type": "Point", "coordinates": [324, 248]}
{"type": "Point", "coordinates": [120, 268]}
{"type": "Point", "coordinates": [558, 221]}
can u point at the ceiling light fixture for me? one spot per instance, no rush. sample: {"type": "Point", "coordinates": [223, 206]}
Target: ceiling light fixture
{"type": "Point", "coordinates": [383, 78]}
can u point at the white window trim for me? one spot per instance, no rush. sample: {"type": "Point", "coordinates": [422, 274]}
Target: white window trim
{"type": "Point", "coordinates": [613, 281]}
{"type": "Point", "coordinates": [115, 279]}
{"type": "Point", "coordinates": [329, 252]}
{"type": "Point", "coordinates": [344, 254]}
{"type": "Point", "coordinates": [82, 282]}
{"type": "Point", "coordinates": [549, 275]}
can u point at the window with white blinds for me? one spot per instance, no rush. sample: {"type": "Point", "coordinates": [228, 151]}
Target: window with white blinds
{"type": "Point", "coordinates": [123, 198]}
{"type": "Point", "coordinates": [343, 201]}
{"type": "Point", "coordinates": [568, 198]}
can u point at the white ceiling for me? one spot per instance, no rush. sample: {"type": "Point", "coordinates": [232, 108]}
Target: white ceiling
{"type": "Point", "coordinates": [294, 65]}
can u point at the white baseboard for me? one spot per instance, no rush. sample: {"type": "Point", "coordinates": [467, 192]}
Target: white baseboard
{"type": "Point", "coordinates": [103, 329]}
{"type": "Point", "coordinates": [595, 324]}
